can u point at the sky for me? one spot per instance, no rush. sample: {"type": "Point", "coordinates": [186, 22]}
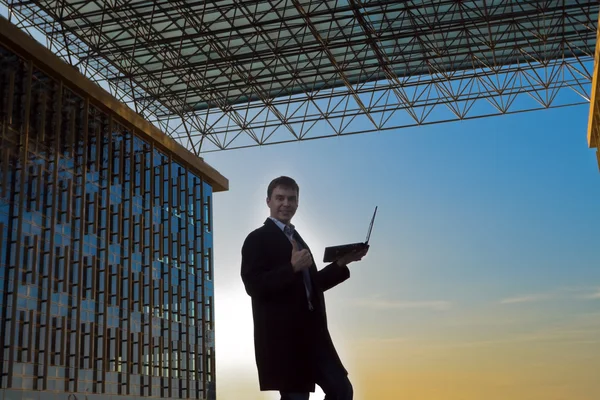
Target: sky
{"type": "Point", "coordinates": [482, 280]}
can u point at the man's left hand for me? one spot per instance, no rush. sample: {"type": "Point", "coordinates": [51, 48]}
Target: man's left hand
{"type": "Point", "coordinates": [355, 255]}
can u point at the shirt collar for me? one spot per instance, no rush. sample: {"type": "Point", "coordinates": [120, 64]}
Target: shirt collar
{"type": "Point", "coordinates": [281, 225]}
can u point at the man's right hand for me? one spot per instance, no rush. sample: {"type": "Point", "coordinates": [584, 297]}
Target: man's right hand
{"type": "Point", "coordinates": [301, 259]}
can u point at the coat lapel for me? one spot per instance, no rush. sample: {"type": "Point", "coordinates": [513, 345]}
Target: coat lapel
{"type": "Point", "coordinates": [282, 244]}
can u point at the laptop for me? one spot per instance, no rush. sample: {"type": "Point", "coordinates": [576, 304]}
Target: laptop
{"type": "Point", "coordinates": [332, 253]}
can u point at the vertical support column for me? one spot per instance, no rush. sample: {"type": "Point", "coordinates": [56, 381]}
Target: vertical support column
{"type": "Point", "coordinates": [154, 300]}
{"type": "Point", "coordinates": [51, 254]}
{"type": "Point", "coordinates": [205, 350]}
{"type": "Point", "coordinates": [103, 209]}
{"type": "Point", "coordinates": [126, 148]}
{"type": "Point", "coordinates": [169, 288]}
{"type": "Point", "coordinates": [6, 192]}
{"type": "Point", "coordinates": [21, 206]}
{"type": "Point", "coordinates": [80, 226]}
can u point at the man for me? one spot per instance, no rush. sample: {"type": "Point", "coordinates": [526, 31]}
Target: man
{"type": "Point", "coordinates": [293, 348]}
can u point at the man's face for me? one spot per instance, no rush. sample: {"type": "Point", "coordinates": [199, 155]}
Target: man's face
{"type": "Point", "coordinates": [283, 203]}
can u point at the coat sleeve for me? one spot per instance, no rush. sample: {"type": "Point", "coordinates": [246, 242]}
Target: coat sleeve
{"type": "Point", "coordinates": [261, 279]}
{"type": "Point", "coordinates": [332, 275]}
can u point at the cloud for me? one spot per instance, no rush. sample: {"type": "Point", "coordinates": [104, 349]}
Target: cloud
{"type": "Point", "coordinates": [581, 333]}
{"type": "Point", "coordinates": [528, 298]}
{"type": "Point", "coordinates": [437, 305]}
{"type": "Point", "coordinates": [566, 335]}
{"type": "Point", "coordinates": [593, 296]}
{"type": "Point", "coordinates": [574, 293]}
{"type": "Point", "coordinates": [384, 340]}
{"type": "Point", "coordinates": [583, 292]}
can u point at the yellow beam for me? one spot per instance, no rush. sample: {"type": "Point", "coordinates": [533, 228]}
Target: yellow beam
{"type": "Point", "coordinates": [44, 59]}
{"type": "Point", "coordinates": [594, 119]}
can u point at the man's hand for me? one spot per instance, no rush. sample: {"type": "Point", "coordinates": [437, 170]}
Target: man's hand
{"type": "Point", "coordinates": [301, 259]}
{"type": "Point", "coordinates": [355, 255]}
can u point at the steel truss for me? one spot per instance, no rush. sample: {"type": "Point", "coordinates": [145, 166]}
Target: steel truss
{"type": "Point", "coordinates": [229, 74]}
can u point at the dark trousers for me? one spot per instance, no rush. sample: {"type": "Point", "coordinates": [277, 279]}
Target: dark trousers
{"type": "Point", "coordinates": [330, 377]}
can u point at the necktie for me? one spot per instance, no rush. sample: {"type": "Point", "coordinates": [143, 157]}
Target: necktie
{"type": "Point", "coordinates": [289, 232]}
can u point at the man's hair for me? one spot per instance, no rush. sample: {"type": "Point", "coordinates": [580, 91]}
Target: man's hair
{"type": "Point", "coordinates": [282, 181]}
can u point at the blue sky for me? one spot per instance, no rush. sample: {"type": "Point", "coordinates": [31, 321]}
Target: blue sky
{"type": "Point", "coordinates": [486, 229]}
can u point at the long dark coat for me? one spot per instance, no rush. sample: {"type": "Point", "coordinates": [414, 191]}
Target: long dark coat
{"type": "Point", "coordinates": [286, 332]}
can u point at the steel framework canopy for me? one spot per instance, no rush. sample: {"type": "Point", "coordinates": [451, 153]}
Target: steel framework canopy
{"type": "Point", "coordinates": [226, 74]}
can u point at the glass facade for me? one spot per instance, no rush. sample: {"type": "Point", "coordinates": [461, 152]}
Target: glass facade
{"type": "Point", "coordinates": [105, 251]}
